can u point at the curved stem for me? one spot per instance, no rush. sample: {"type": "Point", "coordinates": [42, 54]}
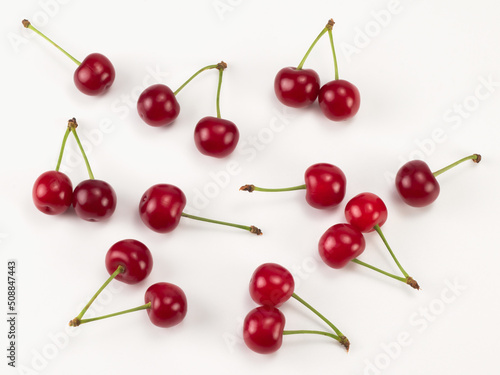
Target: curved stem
{"type": "Point", "coordinates": [193, 76]}
{"type": "Point", "coordinates": [330, 35]}
{"type": "Point", "coordinates": [325, 29]}
{"type": "Point", "coordinates": [357, 261]}
{"type": "Point", "coordinates": [28, 25]}
{"type": "Point", "coordinates": [217, 103]}
{"type": "Point", "coordinates": [73, 323]}
{"type": "Point", "coordinates": [307, 331]}
{"type": "Point", "coordinates": [63, 146]}
{"type": "Point", "coordinates": [251, 188]}
{"type": "Point", "coordinates": [72, 125]}
{"type": "Point", "coordinates": [476, 158]}
{"type": "Point", "coordinates": [379, 231]}
{"type": "Point", "coordinates": [251, 229]}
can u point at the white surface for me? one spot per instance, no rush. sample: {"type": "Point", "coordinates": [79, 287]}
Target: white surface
{"type": "Point", "coordinates": [426, 59]}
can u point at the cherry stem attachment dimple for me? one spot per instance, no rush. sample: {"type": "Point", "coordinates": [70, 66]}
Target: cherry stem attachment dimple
{"type": "Point", "coordinates": [28, 25]}
{"type": "Point", "coordinates": [251, 229]}
{"type": "Point", "coordinates": [379, 231]}
{"type": "Point", "coordinates": [221, 66]}
{"type": "Point", "coordinates": [408, 280]}
{"type": "Point", "coordinates": [330, 36]}
{"type": "Point", "coordinates": [328, 26]}
{"type": "Point", "coordinates": [476, 158]}
{"type": "Point", "coordinates": [194, 75]}
{"type": "Point", "coordinates": [251, 188]}
{"type": "Point", "coordinates": [63, 146]}
{"type": "Point", "coordinates": [72, 125]}
{"type": "Point", "coordinates": [74, 323]}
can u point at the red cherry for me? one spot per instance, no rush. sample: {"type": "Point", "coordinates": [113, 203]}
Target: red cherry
{"type": "Point", "coordinates": [133, 256]}
{"type": "Point", "coordinates": [94, 75]}
{"type": "Point", "coordinates": [366, 210]}
{"type": "Point", "coordinates": [340, 244]}
{"type": "Point", "coordinates": [52, 193]}
{"type": "Point", "coordinates": [271, 285]}
{"type": "Point", "coordinates": [168, 304]}
{"type": "Point", "coordinates": [94, 200]}
{"type": "Point", "coordinates": [325, 185]}
{"type": "Point", "coordinates": [216, 137]}
{"type": "Point", "coordinates": [416, 184]}
{"type": "Point", "coordinates": [158, 106]}
{"type": "Point", "coordinates": [339, 100]}
{"type": "Point", "coordinates": [263, 329]}
{"type": "Point", "coordinates": [296, 88]}
{"type": "Point", "coordinates": [161, 207]}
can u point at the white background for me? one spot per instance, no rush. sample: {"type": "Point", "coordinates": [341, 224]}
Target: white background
{"type": "Point", "coordinates": [420, 68]}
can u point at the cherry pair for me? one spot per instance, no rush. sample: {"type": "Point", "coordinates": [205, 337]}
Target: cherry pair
{"type": "Point", "coordinates": [325, 186]}
{"type": "Point", "coordinates": [343, 243]}
{"type": "Point", "coordinates": [130, 261]}
{"type": "Point", "coordinates": [94, 75]}
{"type": "Point", "coordinates": [272, 285]}
{"type": "Point", "coordinates": [92, 200]}
{"type": "Point", "coordinates": [297, 87]}
{"type": "Point", "coordinates": [213, 136]}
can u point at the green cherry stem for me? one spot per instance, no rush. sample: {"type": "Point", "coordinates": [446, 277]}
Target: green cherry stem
{"type": "Point", "coordinates": [251, 188]}
{"type": "Point", "coordinates": [330, 35]}
{"type": "Point", "coordinates": [408, 280]}
{"type": "Point", "coordinates": [221, 66]}
{"type": "Point", "coordinates": [325, 29]}
{"type": "Point", "coordinates": [63, 146]}
{"type": "Point", "coordinates": [343, 340]}
{"type": "Point", "coordinates": [251, 229]}
{"type": "Point", "coordinates": [379, 231]}
{"type": "Point", "coordinates": [72, 125]}
{"type": "Point", "coordinates": [28, 25]}
{"type": "Point", "coordinates": [77, 321]}
{"type": "Point", "coordinates": [73, 323]}
{"type": "Point", "coordinates": [194, 75]}
{"type": "Point", "coordinates": [476, 158]}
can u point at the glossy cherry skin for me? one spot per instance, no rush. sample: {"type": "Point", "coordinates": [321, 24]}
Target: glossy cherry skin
{"type": "Point", "coordinates": [168, 304]}
{"type": "Point", "coordinates": [94, 75]}
{"type": "Point", "coordinates": [52, 193]}
{"type": "Point", "coordinates": [271, 285]}
{"type": "Point", "coordinates": [134, 256]}
{"type": "Point", "coordinates": [263, 329]}
{"type": "Point", "coordinates": [94, 200]}
{"type": "Point", "coordinates": [339, 100]}
{"type": "Point", "coordinates": [340, 244]}
{"type": "Point", "coordinates": [216, 137]}
{"type": "Point", "coordinates": [296, 88]}
{"type": "Point", "coordinates": [157, 105]}
{"type": "Point", "coordinates": [416, 184]}
{"type": "Point", "coordinates": [161, 207]}
{"type": "Point", "coordinates": [366, 210]}
{"type": "Point", "coordinates": [325, 185]}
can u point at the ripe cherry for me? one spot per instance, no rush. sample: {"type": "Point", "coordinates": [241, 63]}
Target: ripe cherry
{"type": "Point", "coordinates": [94, 200]}
{"type": "Point", "coordinates": [365, 211]}
{"type": "Point", "coordinates": [325, 186]}
{"type": "Point", "coordinates": [135, 259]}
{"type": "Point", "coordinates": [296, 87]}
{"type": "Point", "coordinates": [417, 184]}
{"type": "Point", "coordinates": [271, 285]}
{"type": "Point", "coordinates": [216, 137]}
{"type": "Point", "coordinates": [263, 329]}
{"type": "Point", "coordinates": [94, 75]}
{"type": "Point", "coordinates": [52, 192]}
{"type": "Point", "coordinates": [339, 100]}
{"type": "Point", "coordinates": [168, 304]}
{"type": "Point", "coordinates": [340, 244]}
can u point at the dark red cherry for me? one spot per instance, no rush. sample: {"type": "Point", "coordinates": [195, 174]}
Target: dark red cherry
{"type": "Point", "coordinates": [325, 185]}
{"type": "Point", "coordinates": [52, 193]}
{"type": "Point", "coordinates": [416, 184]}
{"type": "Point", "coordinates": [366, 210]}
{"type": "Point", "coordinates": [168, 304]}
{"type": "Point", "coordinates": [296, 88]}
{"type": "Point", "coordinates": [263, 329]}
{"type": "Point", "coordinates": [94, 75]}
{"type": "Point", "coordinates": [158, 106]}
{"type": "Point", "coordinates": [94, 200]}
{"type": "Point", "coordinates": [340, 244]}
{"type": "Point", "coordinates": [133, 256]}
{"type": "Point", "coordinates": [271, 285]}
{"type": "Point", "coordinates": [161, 207]}
{"type": "Point", "coordinates": [216, 137]}
{"type": "Point", "coordinates": [339, 100]}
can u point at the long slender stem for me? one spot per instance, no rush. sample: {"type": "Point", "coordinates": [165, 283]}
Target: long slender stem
{"type": "Point", "coordinates": [193, 76]}
{"type": "Point", "coordinates": [251, 188]}
{"type": "Point", "coordinates": [325, 29]}
{"type": "Point", "coordinates": [306, 331]}
{"type": "Point", "coordinates": [379, 231]}
{"type": "Point", "coordinates": [72, 125]}
{"type": "Point", "coordinates": [251, 229]}
{"type": "Point", "coordinates": [357, 261]}
{"type": "Point", "coordinates": [217, 100]}
{"type": "Point", "coordinates": [476, 158]}
{"type": "Point", "coordinates": [28, 25]}
{"type": "Point", "coordinates": [138, 308]}
{"type": "Point", "coordinates": [330, 35]}
{"type": "Point", "coordinates": [63, 146]}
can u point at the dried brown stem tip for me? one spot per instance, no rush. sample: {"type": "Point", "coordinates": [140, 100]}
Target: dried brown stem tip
{"type": "Point", "coordinates": [72, 123]}
{"type": "Point", "coordinates": [26, 23]}
{"type": "Point", "coordinates": [248, 188]}
{"type": "Point", "coordinates": [222, 65]}
{"type": "Point", "coordinates": [477, 159]}
{"type": "Point", "coordinates": [412, 283]}
{"type": "Point", "coordinates": [74, 322]}
{"type": "Point", "coordinates": [330, 24]}
{"type": "Point", "coordinates": [345, 342]}
{"type": "Point", "coordinates": [255, 230]}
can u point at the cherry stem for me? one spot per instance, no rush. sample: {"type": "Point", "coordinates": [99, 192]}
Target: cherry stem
{"type": "Point", "coordinates": [72, 125]}
{"type": "Point", "coordinates": [343, 340]}
{"type": "Point", "coordinates": [326, 28]}
{"type": "Point", "coordinates": [251, 229]}
{"type": "Point", "coordinates": [63, 146]}
{"type": "Point", "coordinates": [221, 66]}
{"type": "Point", "coordinates": [194, 75]}
{"type": "Point", "coordinates": [119, 270]}
{"type": "Point", "coordinates": [330, 35]}
{"type": "Point", "coordinates": [379, 231]}
{"type": "Point", "coordinates": [251, 188]}
{"type": "Point", "coordinates": [73, 323]}
{"type": "Point", "coordinates": [28, 25]}
{"type": "Point", "coordinates": [476, 158]}
{"type": "Point", "coordinates": [408, 280]}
